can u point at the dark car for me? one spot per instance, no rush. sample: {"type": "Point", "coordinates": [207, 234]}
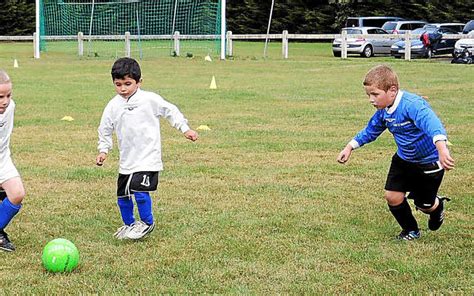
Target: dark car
{"type": "Point", "coordinates": [444, 46]}
{"type": "Point", "coordinates": [468, 27]}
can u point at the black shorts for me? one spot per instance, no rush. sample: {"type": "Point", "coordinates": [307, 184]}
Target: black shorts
{"type": "Point", "coordinates": [3, 194]}
{"type": "Point", "coordinates": [421, 180]}
{"type": "Point", "coordinates": [136, 182]}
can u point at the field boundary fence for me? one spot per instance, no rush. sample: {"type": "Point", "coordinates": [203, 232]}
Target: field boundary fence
{"type": "Point", "coordinates": [284, 37]}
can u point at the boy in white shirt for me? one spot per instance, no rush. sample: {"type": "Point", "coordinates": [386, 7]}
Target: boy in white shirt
{"type": "Point", "coordinates": [12, 191]}
{"type": "Point", "coordinates": [134, 115]}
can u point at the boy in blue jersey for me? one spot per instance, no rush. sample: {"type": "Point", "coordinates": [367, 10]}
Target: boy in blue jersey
{"type": "Point", "coordinates": [422, 155]}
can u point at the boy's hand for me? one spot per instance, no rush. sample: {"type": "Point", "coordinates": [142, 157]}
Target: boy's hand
{"type": "Point", "coordinates": [445, 159]}
{"type": "Point", "coordinates": [100, 159]}
{"type": "Point", "coordinates": [191, 135]}
{"type": "Point", "coordinates": [345, 154]}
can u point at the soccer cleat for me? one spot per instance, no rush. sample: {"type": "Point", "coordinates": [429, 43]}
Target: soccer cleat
{"type": "Point", "coordinates": [437, 216]}
{"type": "Point", "coordinates": [5, 243]}
{"type": "Point", "coordinates": [139, 230]}
{"type": "Point", "coordinates": [121, 233]}
{"type": "Point", "coordinates": [409, 235]}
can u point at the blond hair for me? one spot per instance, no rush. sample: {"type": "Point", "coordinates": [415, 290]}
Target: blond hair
{"type": "Point", "coordinates": [4, 78]}
{"type": "Point", "coordinates": [381, 77]}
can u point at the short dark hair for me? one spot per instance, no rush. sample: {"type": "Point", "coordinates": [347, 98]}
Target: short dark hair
{"type": "Point", "coordinates": [126, 67]}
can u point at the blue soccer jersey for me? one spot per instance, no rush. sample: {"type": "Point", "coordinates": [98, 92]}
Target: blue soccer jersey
{"type": "Point", "coordinates": [414, 125]}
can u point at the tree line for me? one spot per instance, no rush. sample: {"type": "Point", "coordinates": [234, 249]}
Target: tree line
{"type": "Point", "coordinates": [296, 16]}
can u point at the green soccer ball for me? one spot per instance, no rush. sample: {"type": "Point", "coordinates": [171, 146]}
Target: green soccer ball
{"type": "Point", "coordinates": [60, 255]}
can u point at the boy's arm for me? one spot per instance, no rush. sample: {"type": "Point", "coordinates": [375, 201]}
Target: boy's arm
{"type": "Point", "coordinates": [175, 118]}
{"type": "Point", "coordinates": [105, 130]}
{"type": "Point", "coordinates": [373, 129]}
{"type": "Point", "coordinates": [425, 118]}
{"type": "Point", "coordinates": [445, 159]}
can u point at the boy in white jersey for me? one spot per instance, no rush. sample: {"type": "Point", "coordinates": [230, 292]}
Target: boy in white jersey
{"type": "Point", "coordinates": [422, 155]}
{"type": "Point", "coordinates": [134, 115]}
{"type": "Point", "coordinates": [12, 191]}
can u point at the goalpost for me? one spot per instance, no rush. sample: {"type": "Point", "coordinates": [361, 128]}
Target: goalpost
{"type": "Point", "coordinates": [138, 28]}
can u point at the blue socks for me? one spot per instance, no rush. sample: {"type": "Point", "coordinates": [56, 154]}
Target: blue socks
{"type": "Point", "coordinates": [7, 212]}
{"type": "Point", "coordinates": [126, 210]}
{"type": "Point", "coordinates": [143, 200]}
{"type": "Point", "coordinates": [144, 205]}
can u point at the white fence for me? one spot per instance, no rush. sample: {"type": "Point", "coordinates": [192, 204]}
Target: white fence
{"type": "Point", "coordinates": [285, 37]}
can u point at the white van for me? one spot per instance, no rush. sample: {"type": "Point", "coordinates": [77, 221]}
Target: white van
{"type": "Point", "coordinates": [370, 21]}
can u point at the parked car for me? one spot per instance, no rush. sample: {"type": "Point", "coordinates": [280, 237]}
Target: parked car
{"type": "Point", "coordinates": [400, 27]}
{"type": "Point", "coordinates": [370, 21]}
{"type": "Point", "coordinates": [365, 47]}
{"type": "Point", "coordinates": [458, 27]}
{"type": "Point", "coordinates": [462, 44]}
{"type": "Point", "coordinates": [444, 46]}
{"type": "Point", "coordinates": [469, 27]}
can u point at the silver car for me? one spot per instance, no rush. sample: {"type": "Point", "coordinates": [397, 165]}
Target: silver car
{"type": "Point", "coordinates": [366, 47]}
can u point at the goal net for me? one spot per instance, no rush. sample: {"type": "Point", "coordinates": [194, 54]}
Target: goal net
{"type": "Point", "coordinates": [152, 27]}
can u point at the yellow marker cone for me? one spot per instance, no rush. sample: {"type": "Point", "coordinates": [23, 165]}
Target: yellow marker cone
{"type": "Point", "coordinates": [67, 118]}
{"type": "Point", "coordinates": [208, 58]}
{"type": "Point", "coordinates": [449, 143]}
{"type": "Point", "coordinates": [15, 64]}
{"type": "Point", "coordinates": [203, 128]}
{"type": "Point", "coordinates": [213, 83]}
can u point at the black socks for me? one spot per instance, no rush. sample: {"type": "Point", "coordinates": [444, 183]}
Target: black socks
{"type": "Point", "coordinates": [404, 216]}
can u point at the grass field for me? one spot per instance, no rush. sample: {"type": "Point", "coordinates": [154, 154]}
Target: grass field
{"type": "Point", "coordinates": [259, 204]}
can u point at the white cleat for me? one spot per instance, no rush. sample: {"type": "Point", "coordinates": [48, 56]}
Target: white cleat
{"type": "Point", "coordinates": [139, 230]}
{"type": "Point", "coordinates": [121, 233]}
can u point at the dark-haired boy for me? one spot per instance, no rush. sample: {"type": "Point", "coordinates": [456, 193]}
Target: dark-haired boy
{"type": "Point", "coordinates": [134, 115]}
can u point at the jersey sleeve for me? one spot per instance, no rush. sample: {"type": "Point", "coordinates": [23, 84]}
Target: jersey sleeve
{"type": "Point", "coordinates": [171, 113]}
{"type": "Point", "coordinates": [374, 128]}
{"type": "Point", "coordinates": [426, 120]}
{"type": "Point", "coordinates": [105, 130]}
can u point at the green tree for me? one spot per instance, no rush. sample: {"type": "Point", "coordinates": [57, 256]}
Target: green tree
{"type": "Point", "coordinates": [17, 17]}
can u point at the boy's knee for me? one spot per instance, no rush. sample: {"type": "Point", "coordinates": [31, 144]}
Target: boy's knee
{"type": "Point", "coordinates": [17, 196]}
{"type": "Point", "coordinates": [394, 198]}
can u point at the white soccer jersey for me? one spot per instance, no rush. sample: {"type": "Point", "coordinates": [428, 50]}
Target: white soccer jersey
{"type": "Point", "coordinates": [136, 122]}
{"type": "Point", "coordinates": [6, 128]}
{"type": "Point", "coordinates": [7, 168]}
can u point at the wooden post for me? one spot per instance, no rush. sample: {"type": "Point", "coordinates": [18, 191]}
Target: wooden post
{"type": "Point", "coordinates": [284, 44]}
{"type": "Point", "coordinates": [176, 43]}
{"type": "Point", "coordinates": [127, 44]}
{"type": "Point", "coordinates": [229, 45]}
{"type": "Point", "coordinates": [80, 44]}
{"type": "Point", "coordinates": [407, 46]}
{"type": "Point", "coordinates": [344, 44]}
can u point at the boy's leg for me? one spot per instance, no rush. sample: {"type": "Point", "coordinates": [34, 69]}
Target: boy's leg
{"type": "Point", "coordinates": [11, 205]}
{"type": "Point", "coordinates": [426, 196]}
{"type": "Point", "coordinates": [401, 210]}
{"type": "Point", "coordinates": [11, 196]}
{"type": "Point", "coordinates": [144, 206]}
{"type": "Point", "coordinates": [398, 183]}
{"type": "Point", "coordinates": [125, 205]}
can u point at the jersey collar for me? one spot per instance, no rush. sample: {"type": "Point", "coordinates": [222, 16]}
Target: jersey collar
{"type": "Point", "coordinates": [397, 100]}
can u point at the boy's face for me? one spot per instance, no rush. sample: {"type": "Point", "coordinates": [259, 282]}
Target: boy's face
{"type": "Point", "coordinates": [5, 96]}
{"type": "Point", "coordinates": [126, 87]}
{"type": "Point", "coordinates": [381, 99]}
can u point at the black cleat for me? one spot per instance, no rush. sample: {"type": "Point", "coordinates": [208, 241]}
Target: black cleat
{"type": "Point", "coordinates": [5, 243]}
{"type": "Point", "coordinates": [437, 216]}
{"type": "Point", "coordinates": [409, 235]}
